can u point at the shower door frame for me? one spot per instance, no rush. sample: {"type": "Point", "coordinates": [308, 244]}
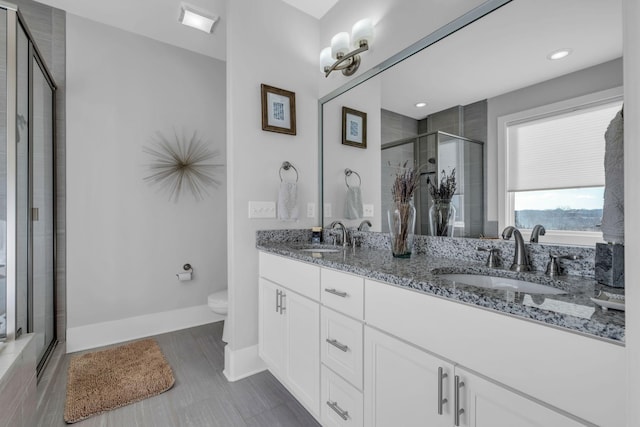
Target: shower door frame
{"type": "Point", "coordinates": [14, 22]}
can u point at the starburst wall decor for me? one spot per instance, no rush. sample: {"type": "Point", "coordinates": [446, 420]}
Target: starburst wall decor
{"type": "Point", "coordinates": [182, 164]}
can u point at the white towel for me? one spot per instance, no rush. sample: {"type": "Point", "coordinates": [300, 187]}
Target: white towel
{"type": "Point", "coordinates": [288, 201]}
{"type": "Point", "coordinates": [353, 203]}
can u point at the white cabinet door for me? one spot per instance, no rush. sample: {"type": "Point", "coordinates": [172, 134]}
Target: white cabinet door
{"type": "Point", "coordinates": [486, 404]}
{"type": "Point", "coordinates": [401, 384]}
{"type": "Point", "coordinates": [303, 348]}
{"type": "Point", "coordinates": [271, 344]}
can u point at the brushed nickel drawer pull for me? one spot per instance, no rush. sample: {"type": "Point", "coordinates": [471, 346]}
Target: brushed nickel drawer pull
{"type": "Point", "coordinates": [338, 345]}
{"type": "Point", "coordinates": [336, 292]}
{"type": "Point", "coordinates": [456, 397]}
{"type": "Point", "coordinates": [341, 412]}
{"type": "Point", "coordinates": [441, 376]}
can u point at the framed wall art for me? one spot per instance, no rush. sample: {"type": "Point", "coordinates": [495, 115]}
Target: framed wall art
{"type": "Point", "coordinates": [278, 110]}
{"type": "Point", "coordinates": [354, 128]}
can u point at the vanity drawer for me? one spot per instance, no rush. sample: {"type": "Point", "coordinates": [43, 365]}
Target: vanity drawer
{"type": "Point", "coordinates": [341, 343]}
{"type": "Point", "coordinates": [298, 276]}
{"type": "Point", "coordinates": [343, 292]}
{"type": "Point", "coordinates": [341, 404]}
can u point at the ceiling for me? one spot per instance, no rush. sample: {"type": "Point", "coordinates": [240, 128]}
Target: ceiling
{"type": "Point", "coordinates": [158, 19]}
{"type": "Point", "coordinates": [505, 51]}
{"type": "Point", "coordinates": [315, 8]}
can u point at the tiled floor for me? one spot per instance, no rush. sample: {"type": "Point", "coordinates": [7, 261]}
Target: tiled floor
{"type": "Point", "coordinates": [201, 396]}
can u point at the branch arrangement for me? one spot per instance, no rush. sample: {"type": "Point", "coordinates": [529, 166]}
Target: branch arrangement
{"type": "Point", "coordinates": [447, 187]}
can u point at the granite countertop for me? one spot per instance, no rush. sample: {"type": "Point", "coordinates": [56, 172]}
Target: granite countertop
{"type": "Point", "coordinates": [573, 311]}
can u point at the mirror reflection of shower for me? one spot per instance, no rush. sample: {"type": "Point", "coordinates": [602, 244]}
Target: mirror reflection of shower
{"type": "Point", "coordinates": [434, 152]}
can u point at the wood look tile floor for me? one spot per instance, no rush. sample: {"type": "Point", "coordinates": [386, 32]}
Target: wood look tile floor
{"type": "Point", "coordinates": [201, 396]}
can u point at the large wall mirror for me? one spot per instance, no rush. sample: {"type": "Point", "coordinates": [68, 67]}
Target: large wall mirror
{"type": "Point", "coordinates": [493, 73]}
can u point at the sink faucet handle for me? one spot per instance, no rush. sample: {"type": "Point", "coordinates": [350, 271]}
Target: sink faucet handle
{"type": "Point", "coordinates": [493, 260]}
{"type": "Point", "coordinates": [553, 267]}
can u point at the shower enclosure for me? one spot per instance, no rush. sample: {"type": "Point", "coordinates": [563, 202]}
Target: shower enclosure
{"type": "Point", "coordinates": [27, 223]}
{"type": "Point", "coordinates": [434, 152]}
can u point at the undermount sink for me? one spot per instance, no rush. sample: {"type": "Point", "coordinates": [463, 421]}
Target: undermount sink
{"type": "Point", "coordinates": [320, 248]}
{"type": "Point", "coordinates": [493, 282]}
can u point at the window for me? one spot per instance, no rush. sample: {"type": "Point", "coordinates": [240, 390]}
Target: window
{"type": "Point", "coordinates": [554, 167]}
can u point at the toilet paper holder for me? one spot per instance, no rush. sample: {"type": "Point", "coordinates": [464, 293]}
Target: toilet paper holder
{"type": "Point", "coordinates": [186, 275]}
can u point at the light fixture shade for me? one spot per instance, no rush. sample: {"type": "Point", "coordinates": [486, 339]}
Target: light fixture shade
{"type": "Point", "coordinates": [362, 30]}
{"type": "Point", "coordinates": [194, 18]}
{"type": "Point", "coordinates": [325, 59]}
{"type": "Point", "coordinates": [340, 45]}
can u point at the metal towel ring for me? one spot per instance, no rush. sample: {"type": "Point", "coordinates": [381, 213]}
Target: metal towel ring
{"type": "Point", "coordinates": [347, 173]}
{"type": "Point", "coordinates": [286, 166]}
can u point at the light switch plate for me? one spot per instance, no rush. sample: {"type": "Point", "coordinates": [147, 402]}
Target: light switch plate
{"type": "Point", "coordinates": [311, 210]}
{"type": "Point", "coordinates": [327, 210]}
{"type": "Point", "coordinates": [262, 210]}
{"type": "Point", "coordinates": [367, 210]}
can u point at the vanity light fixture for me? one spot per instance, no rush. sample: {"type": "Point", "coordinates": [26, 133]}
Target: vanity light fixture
{"type": "Point", "coordinates": [559, 54]}
{"type": "Point", "coordinates": [197, 19]}
{"type": "Point", "coordinates": [338, 56]}
{"type": "Point", "coordinates": [421, 104]}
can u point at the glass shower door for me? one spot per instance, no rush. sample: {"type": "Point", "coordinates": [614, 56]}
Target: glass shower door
{"type": "Point", "coordinates": [42, 212]}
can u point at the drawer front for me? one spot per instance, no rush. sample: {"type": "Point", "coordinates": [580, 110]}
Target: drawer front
{"type": "Point", "coordinates": [298, 276]}
{"type": "Point", "coordinates": [341, 345]}
{"type": "Point", "coordinates": [341, 403]}
{"type": "Point", "coordinates": [343, 292]}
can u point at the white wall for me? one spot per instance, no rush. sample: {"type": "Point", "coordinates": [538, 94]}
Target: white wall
{"type": "Point", "coordinates": [126, 240]}
{"type": "Point", "coordinates": [268, 42]}
{"type": "Point", "coordinates": [590, 80]}
{"type": "Point", "coordinates": [338, 157]}
{"type": "Point", "coordinates": [631, 16]}
{"type": "Point", "coordinates": [398, 24]}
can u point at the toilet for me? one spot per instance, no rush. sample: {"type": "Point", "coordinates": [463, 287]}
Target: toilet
{"type": "Point", "coordinates": [219, 303]}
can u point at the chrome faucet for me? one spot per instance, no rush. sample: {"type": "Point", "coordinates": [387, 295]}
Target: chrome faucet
{"type": "Point", "coordinates": [538, 230]}
{"type": "Point", "coordinates": [366, 223]}
{"type": "Point", "coordinates": [520, 258]}
{"type": "Point", "coordinates": [345, 233]}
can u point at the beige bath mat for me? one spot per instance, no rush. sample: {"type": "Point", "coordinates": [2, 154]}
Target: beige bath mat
{"type": "Point", "coordinates": [108, 379]}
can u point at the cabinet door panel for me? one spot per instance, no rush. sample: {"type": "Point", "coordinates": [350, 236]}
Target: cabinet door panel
{"type": "Point", "coordinates": [303, 348]}
{"type": "Point", "coordinates": [271, 330]}
{"type": "Point", "coordinates": [401, 384]}
{"type": "Point", "coordinates": [489, 405]}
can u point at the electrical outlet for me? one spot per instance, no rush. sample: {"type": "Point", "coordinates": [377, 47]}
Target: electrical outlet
{"type": "Point", "coordinates": [327, 210]}
{"type": "Point", "coordinates": [262, 209]}
{"type": "Point", "coordinates": [311, 210]}
{"type": "Point", "coordinates": [367, 210]}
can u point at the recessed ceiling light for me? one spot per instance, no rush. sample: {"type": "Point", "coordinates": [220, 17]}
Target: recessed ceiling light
{"type": "Point", "coordinates": [421, 104]}
{"type": "Point", "coordinates": [559, 54]}
{"type": "Point", "coordinates": [197, 19]}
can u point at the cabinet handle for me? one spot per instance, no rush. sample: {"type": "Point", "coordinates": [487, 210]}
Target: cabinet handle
{"type": "Point", "coordinates": [282, 306]}
{"type": "Point", "coordinates": [441, 376]}
{"type": "Point", "coordinates": [277, 301]}
{"type": "Point", "coordinates": [456, 397]}
{"type": "Point", "coordinates": [338, 345]}
{"type": "Point", "coordinates": [336, 292]}
{"type": "Point", "coordinates": [341, 412]}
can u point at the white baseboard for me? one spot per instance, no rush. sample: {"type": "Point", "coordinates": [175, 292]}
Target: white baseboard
{"type": "Point", "coordinates": [116, 331]}
{"type": "Point", "coordinates": [239, 364]}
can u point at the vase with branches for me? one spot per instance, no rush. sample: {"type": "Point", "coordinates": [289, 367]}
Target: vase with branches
{"type": "Point", "coordinates": [442, 212]}
{"type": "Point", "coordinates": [402, 217]}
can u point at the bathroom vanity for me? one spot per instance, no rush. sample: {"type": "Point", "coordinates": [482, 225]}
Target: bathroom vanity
{"type": "Point", "coordinates": [363, 339]}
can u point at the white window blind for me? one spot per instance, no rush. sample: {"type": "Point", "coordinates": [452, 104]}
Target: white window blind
{"type": "Point", "coordinates": [561, 151]}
